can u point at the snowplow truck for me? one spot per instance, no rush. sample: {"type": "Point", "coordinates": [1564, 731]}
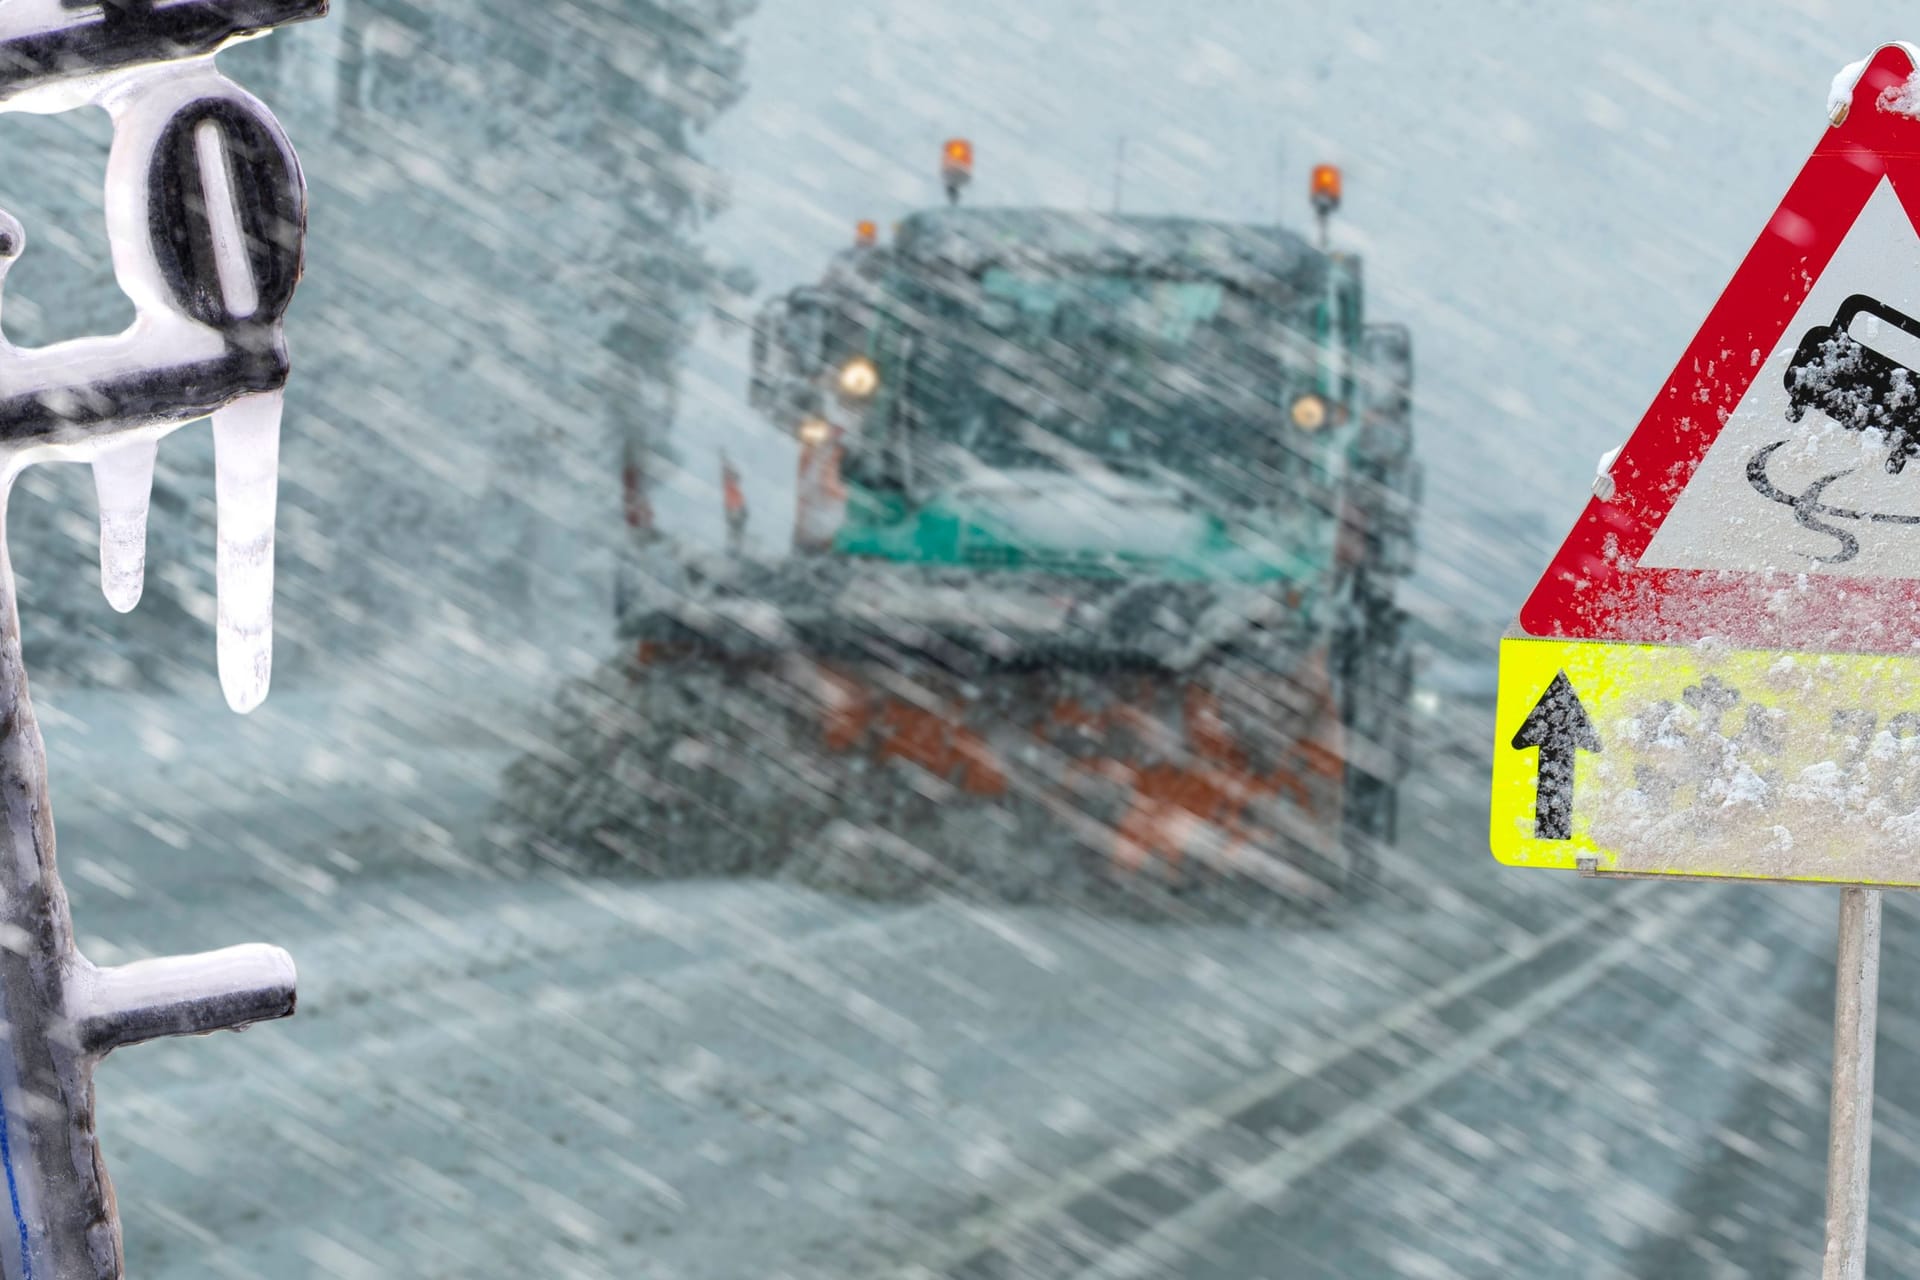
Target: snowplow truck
{"type": "Point", "coordinates": [1099, 524]}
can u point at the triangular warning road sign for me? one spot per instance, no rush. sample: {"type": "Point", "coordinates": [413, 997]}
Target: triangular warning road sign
{"type": "Point", "coordinates": [1766, 498]}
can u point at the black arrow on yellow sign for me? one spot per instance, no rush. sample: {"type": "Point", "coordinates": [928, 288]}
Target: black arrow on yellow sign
{"type": "Point", "coordinates": [1559, 726]}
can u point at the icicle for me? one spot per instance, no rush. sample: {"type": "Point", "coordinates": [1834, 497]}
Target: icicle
{"type": "Point", "coordinates": [123, 481]}
{"type": "Point", "coordinates": [246, 460]}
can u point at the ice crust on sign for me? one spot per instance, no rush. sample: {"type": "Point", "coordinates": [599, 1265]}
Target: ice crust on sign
{"type": "Point", "coordinates": [1840, 92]}
{"type": "Point", "coordinates": [1808, 770]}
{"type": "Point", "coordinates": [1721, 521]}
{"type": "Point", "coordinates": [1903, 98]}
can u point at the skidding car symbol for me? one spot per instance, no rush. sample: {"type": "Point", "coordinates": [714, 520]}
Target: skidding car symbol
{"type": "Point", "coordinates": [1856, 386]}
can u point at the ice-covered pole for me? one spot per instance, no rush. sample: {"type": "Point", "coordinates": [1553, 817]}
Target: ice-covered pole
{"type": "Point", "coordinates": [63, 1015]}
{"type": "Point", "coordinates": [206, 213]}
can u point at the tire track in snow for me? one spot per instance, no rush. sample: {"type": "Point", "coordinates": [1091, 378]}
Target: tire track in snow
{"type": "Point", "coordinates": [1139, 1209]}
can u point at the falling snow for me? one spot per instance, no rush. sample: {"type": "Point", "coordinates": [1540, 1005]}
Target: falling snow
{"type": "Point", "coordinates": [671, 908]}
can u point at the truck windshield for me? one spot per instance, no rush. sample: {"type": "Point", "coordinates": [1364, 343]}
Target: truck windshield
{"type": "Point", "coordinates": [1134, 372]}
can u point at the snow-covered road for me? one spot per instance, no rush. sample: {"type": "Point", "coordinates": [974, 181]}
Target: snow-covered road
{"type": "Point", "coordinates": [497, 1072]}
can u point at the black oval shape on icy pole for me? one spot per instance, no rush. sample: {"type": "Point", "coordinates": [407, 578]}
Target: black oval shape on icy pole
{"type": "Point", "coordinates": [108, 35]}
{"type": "Point", "coordinates": [269, 201]}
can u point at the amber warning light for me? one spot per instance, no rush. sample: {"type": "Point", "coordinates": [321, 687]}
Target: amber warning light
{"type": "Point", "coordinates": [956, 167]}
{"type": "Point", "coordinates": [1326, 189]}
{"type": "Point", "coordinates": [866, 234]}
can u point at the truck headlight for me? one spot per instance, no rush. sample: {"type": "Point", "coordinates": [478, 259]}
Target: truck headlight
{"type": "Point", "coordinates": [859, 378]}
{"type": "Point", "coordinates": [1309, 412]}
{"type": "Point", "coordinates": [814, 431]}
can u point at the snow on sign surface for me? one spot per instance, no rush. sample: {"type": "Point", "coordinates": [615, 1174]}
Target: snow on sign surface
{"type": "Point", "coordinates": [1717, 675]}
{"type": "Point", "coordinates": [1767, 496]}
{"type": "Point", "coordinates": [1758, 513]}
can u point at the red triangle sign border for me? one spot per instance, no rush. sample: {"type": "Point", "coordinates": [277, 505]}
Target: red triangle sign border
{"type": "Point", "coordinates": [1595, 588]}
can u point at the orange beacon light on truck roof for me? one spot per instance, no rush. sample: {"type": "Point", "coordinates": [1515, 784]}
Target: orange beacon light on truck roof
{"type": "Point", "coordinates": [956, 167]}
{"type": "Point", "coordinates": [1326, 188]}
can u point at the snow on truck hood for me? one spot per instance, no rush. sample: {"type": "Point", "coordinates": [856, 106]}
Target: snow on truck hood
{"type": "Point", "coordinates": [1247, 256]}
{"type": "Point", "coordinates": [1089, 511]}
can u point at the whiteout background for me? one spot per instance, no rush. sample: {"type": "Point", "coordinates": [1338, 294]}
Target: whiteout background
{"type": "Point", "coordinates": [501, 1074]}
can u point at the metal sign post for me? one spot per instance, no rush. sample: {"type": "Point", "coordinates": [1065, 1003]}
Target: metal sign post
{"type": "Point", "coordinates": [1856, 1008]}
{"type": "Point", "coordinates": [206, 211]}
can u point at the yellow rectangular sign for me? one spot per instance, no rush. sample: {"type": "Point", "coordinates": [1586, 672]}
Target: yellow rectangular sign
{"type": "Point", "coordinates": [1705, 761]}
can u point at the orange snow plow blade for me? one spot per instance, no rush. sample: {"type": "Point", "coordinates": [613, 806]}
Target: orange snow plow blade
{"type": "Point", "coordinates": [1226, 774]}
